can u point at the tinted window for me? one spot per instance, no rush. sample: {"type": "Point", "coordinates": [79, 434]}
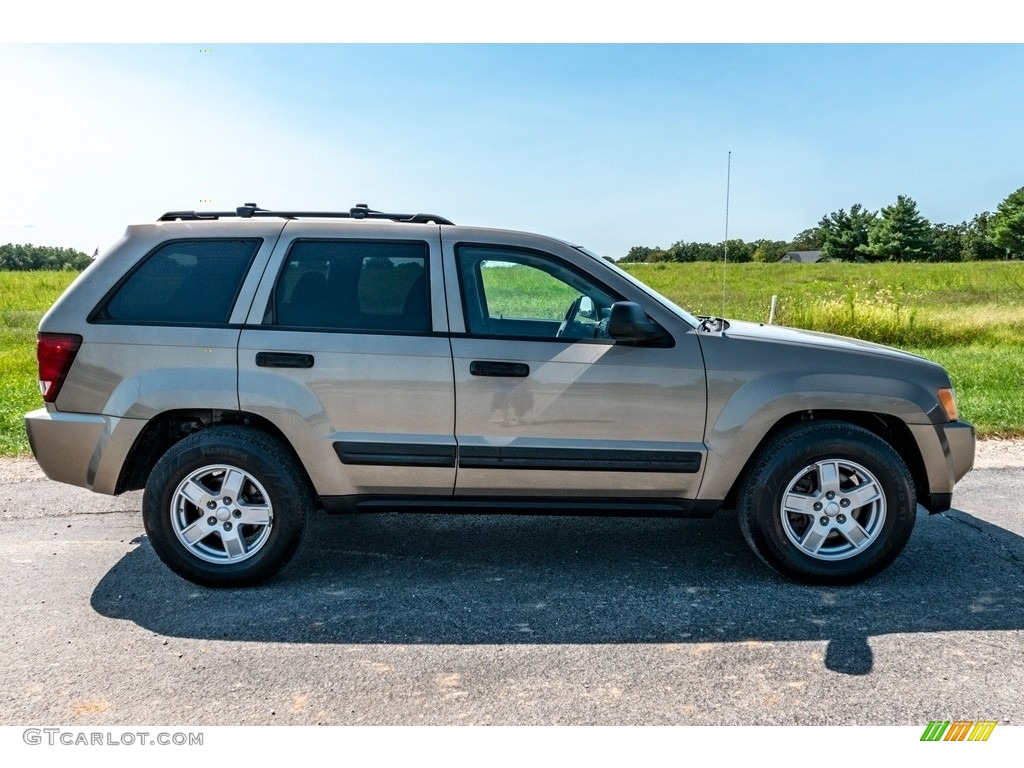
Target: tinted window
{"type": "Point", "coordinates": [191, 282]}
{"type": "Point", "coordinates": [372, 286]}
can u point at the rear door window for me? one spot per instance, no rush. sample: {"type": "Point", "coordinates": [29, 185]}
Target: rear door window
{"type": "Point", "coordinates": [354, 286]}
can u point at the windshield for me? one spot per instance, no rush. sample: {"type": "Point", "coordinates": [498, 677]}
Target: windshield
{"type": "Point", "coordinates": [668, 303]}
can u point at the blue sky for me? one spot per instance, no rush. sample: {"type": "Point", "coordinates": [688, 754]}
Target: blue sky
{"type": "Point", "coordinates": [605, 145]}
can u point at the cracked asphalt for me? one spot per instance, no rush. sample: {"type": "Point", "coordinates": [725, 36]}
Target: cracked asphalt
{"type": "Point", "coordinates": [463, 619]}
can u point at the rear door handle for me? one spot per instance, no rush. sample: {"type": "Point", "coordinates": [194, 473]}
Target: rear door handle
{"type": "Point", "coordinates": [283, 360]}
{"type": "Point", "coordinates": [493, 368]}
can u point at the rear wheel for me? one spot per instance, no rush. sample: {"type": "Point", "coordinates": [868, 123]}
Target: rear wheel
{"type": "Point", "coordinates": [226, 507]}
{"type": "Point", "coordinates": [827, 503]}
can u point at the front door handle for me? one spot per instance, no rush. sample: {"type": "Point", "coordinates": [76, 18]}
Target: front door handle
{"type": "Point", "coordinates": [494, 368]}
{"type": "Point", "coordinates": [283, 360]}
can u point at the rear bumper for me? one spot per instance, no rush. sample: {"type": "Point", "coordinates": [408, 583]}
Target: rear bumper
{"type": "Point", "coordinates": [81, 449]}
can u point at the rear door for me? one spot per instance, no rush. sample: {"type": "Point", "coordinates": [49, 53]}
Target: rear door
{"type": "Point", "coordinates": [346, 352]}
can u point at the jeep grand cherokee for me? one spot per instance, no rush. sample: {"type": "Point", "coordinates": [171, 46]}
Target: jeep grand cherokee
{"type": "Point", "coordinates": [245, 367]}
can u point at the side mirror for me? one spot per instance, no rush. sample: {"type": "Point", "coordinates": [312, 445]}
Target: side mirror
{"type": "Point", "coordinates": [628, 322]}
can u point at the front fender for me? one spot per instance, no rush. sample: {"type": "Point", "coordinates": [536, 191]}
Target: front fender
{"type": "Point", "coordinates": [755, 385]}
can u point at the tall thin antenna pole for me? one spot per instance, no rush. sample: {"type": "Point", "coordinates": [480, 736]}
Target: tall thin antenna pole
{"type": "Point", "coordinates": [725, 261]}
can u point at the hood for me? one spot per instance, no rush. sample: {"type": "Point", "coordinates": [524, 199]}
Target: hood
{"type": "Point", "coordinates": [782, 335]}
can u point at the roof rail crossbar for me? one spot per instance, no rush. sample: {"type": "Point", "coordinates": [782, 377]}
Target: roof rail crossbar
{"type": "Point", "coordinates": [251, 211]}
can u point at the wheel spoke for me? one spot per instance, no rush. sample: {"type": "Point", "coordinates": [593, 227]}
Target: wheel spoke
{"type": "Point", "coordinates": [828, 476]}
{"type": "Point", "coordinates": [197, 531]}
{"type": "Point", "coordinates": [232, 485]}
{"type": "Point", "coordinates": [814, 538]}
{"type": "Point", "coordinates": [863, 494]}
{"type": "Point", "coordinates": [799, 503]}
{"type": "Point", "coordinates": [254, 514]}
{"type": "Point", "coordinates": [234, 546]}
{"type": "Point", "coordinates": [854, 533]}
{"type": "Point", "coordinates": [194, 492]}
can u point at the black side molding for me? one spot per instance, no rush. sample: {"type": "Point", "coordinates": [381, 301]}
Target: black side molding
{"type": "Point", "coordinates": [506, 457]}
{"type": "Point", "coordinates": [578, 459]}
{"type": "Point", "coordinates": [396, 454]}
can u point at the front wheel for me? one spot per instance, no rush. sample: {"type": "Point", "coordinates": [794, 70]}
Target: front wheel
{"type": "Point", "coordinates": [226, 506]}
{"type": "Point", "coordinates": [827, 503]}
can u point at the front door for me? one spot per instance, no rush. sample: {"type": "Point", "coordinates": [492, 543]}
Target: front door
{"type": "Point", "coordinates": [547, 404]}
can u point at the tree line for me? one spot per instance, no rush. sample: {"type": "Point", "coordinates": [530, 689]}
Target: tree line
{"type": "Point", "coordinates": [897, 232]}
{"type": "Point", "coordinates": [31, 257]}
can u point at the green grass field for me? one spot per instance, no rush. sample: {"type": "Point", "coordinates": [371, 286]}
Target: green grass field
{"type": "Point", "coordinates": [24, 297]}
{"type": "Point", "coordinates": [969, 317]}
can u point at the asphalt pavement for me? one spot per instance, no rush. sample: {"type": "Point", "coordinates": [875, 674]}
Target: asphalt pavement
{"type": "Point", "coordinates": [465, 619]}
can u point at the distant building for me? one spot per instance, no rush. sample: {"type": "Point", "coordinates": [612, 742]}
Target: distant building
{"type": "Point", "coordinates": [802, 257]}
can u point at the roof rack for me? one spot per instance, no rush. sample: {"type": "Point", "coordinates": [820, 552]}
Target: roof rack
{"type": "Point", "coordinates": [251, 210]}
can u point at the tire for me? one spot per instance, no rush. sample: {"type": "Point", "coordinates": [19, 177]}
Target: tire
{"type": "Point", "coordinates": [827, 503]}
{"type": "Point", "coordinates": [226, 507]}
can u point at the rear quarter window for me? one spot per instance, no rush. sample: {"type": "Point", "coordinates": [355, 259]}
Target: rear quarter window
{"type": "Point", "coordinates": [185, 282]}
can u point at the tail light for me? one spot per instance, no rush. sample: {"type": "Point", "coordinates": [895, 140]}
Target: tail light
{"type": "Point", "coordinates": [55, 353]}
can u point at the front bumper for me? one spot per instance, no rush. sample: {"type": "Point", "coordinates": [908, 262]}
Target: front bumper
{"type": "Point", "coordinates": [948, 454]}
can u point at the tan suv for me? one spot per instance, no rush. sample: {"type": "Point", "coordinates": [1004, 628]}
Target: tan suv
{"type": "Point", "coordinates": [245, 367]}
